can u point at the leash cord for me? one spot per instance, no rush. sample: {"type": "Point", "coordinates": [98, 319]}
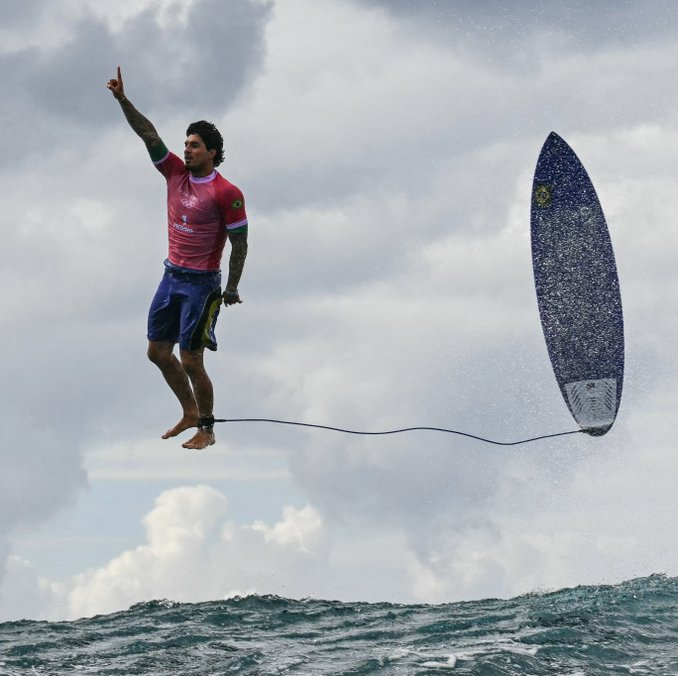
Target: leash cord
{"type": "Point", "coordinates": [397, 431]}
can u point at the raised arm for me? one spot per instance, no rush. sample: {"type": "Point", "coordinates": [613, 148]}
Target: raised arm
{"type": "Point", "coordinates": [140, 124]}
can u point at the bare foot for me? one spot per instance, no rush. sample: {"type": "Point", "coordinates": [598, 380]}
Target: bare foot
{"type": "Point", "coordinates": [202, 439]}
{"type": "Point", "coordinates": [185, 423]}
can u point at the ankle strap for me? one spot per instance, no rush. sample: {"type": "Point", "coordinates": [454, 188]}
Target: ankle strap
{"type": "Point", "coordinates": [206, 423]}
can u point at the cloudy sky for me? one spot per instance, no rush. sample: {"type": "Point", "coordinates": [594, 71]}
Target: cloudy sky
{"type": "Point", "coordinates": [386, 151]}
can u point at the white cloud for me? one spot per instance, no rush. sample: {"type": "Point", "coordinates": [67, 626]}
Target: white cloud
{"type": "Point", "coordinates": [298, 528]}
{"type": "Point", "coordinates": [192, 552]}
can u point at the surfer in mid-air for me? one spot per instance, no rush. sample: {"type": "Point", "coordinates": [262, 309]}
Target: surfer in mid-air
{"type": "Point", "coordinates": [203, 211]}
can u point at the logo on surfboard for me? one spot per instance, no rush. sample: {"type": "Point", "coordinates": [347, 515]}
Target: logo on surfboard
{"type": "Point", "coordinates": [542, 195]}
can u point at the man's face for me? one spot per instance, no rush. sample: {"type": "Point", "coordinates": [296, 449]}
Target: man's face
{"type": "Point", "coordinates": [199, 161]}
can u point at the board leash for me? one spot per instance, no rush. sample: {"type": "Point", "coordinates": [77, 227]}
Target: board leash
{"type": "Point", "coordinates": [396, 431]}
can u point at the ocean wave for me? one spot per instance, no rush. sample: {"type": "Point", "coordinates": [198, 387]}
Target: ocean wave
{"type": "Point", "coordinates": [630, 628]}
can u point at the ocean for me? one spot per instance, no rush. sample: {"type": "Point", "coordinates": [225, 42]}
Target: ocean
{"type": "Point", "coordinates": [630, 628]}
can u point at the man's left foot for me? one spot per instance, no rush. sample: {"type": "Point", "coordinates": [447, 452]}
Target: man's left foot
{"type": "Point", "coordinates": [202, 439]}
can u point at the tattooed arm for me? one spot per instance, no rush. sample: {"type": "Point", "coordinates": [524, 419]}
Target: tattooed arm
{"type": "Point", "coordinates": [141, 125]}
{"type": "Point", "coordinates": [236, 264]}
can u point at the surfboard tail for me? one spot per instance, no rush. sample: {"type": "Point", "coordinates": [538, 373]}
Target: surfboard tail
{"type": "Point", "coordinates": [593, 404]}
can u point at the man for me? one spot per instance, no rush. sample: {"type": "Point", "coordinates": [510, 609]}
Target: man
{"type": "Point", "coordinates": [203, 211]}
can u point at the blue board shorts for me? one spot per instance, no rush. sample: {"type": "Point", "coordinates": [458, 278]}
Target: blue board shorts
{"type": "Point", "coordinates": [185, 309]}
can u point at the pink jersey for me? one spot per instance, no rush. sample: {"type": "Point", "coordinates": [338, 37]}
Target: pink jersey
{"type": "Point", "coordinates": [200, 212]}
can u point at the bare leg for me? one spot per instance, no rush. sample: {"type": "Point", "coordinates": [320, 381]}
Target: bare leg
{"type": "Point", "coordinates": [192, 362]}
{"type": "Point", "coordinates": [162, 355]}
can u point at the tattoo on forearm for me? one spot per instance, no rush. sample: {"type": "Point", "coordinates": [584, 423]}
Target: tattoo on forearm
{"type": "Point", "coordinates": [236, 262]}
{"type": "Point", "coordinates": [140, 124]}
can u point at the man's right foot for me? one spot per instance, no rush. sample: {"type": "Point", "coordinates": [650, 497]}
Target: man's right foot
{"type": "Point", "coordinates": [184, 424]}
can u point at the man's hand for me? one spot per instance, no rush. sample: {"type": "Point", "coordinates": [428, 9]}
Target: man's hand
{"type": "Point", "coordinates": [116, 87]}
{"type": "Point", "coordinates": [231, 297]}
{"type": "Point", "coordinates": [142, 126]}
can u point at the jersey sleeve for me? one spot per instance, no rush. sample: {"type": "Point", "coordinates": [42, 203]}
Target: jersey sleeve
{"type": "Point", "coordinates": [169, 164]}
{"type": "Point", "coordinates": [235, 215]}
{"type": "Point", "coordinates": [158, 152]}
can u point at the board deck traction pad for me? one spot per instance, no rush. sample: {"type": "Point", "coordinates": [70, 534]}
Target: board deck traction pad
{"type": "Point", "coordinates": [577, 287]}
{"type": "Point", "coordinates": [593, 402]}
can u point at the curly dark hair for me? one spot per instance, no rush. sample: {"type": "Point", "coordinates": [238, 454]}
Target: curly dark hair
{"type": "Point", "coordinates": [210, 136]}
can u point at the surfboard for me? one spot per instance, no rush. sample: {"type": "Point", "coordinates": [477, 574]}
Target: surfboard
{"type": "Point", "coordinates": [577, 287]}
